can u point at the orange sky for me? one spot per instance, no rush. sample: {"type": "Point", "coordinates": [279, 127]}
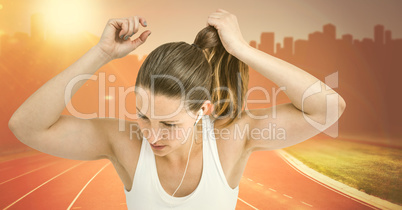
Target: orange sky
{"type": "Point", "coordinates": [180, 20]}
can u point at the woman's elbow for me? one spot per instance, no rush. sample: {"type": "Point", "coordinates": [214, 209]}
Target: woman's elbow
{"type": "Point", "coordinates": [342, 104]}
{"type": "Point", "coordinates": [12, 124]}
{"type": "Point", "coordinates": [20, 130]}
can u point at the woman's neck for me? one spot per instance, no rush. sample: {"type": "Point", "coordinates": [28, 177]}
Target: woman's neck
{"type": "Point", "coordinates": [179, 156]}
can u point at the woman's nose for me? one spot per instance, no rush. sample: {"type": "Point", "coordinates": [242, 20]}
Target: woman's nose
{"type": "Point", "coordinates": [154, 135]}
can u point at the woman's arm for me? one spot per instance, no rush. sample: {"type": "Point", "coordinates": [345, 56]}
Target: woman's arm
{"type": "Point", "coordinates": [284, 125]}
{"type": "Point", "coordinates": [44, 107]}
{"type": "Point", "coordinates": [306, 116]}
{"type": "Point", "coordinates": [38, 121]}
{"type": "Point", "coordinates": [293, 80]}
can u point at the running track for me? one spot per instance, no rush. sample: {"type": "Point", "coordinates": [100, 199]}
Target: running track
{"type": "Point", "coordinates": [43, 181]}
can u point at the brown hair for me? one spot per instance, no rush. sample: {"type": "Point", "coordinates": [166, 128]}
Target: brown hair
{"type": "Point", "coordinates": [206, 71]}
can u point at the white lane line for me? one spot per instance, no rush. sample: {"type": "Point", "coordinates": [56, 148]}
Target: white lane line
{"type": "Point", "coordinates": [272, 189]}
{"type": "Point", "coordinates": [307, 204]}
{"type": "Point", "coordinates": [42, 185]}
{"type": "Point", "coordinates": [247, 203]}
{"type": "Point", "coordinates": [260, 184]}
{"type": "Point", "coordinates": [249, 179]}
{"type": "Point", "coordinates": [287, 196]}
{"type": "Point", "coordinates": [27, 173]}
{"type": "Point", "coordinates": [76, 197]}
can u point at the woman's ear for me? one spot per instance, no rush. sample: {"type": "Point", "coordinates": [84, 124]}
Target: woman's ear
{"type": "Point", "coordinates": [207, 107]}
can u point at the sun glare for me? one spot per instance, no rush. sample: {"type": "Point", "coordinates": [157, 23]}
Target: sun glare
{"type": "Point", "coordinates": [67, 17]}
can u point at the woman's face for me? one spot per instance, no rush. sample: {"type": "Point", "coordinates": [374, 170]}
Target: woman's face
{"type": "Point", "coordinates": [164, 122]}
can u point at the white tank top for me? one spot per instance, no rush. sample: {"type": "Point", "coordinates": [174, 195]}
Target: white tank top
{"type": "Point", "coordinates": [212, 192]}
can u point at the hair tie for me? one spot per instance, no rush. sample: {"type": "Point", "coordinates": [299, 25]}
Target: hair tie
{"type": "Point", "coordinates": [196, 46]}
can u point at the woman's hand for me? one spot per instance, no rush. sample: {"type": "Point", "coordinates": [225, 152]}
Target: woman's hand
{"type": "Point", "coordinates": [115, 40]}
{"type": "Point", "coordinates": [228, 30]}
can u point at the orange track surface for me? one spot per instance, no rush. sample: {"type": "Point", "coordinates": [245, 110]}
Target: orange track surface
{"type": "Point", "coordinates": [43, 181]}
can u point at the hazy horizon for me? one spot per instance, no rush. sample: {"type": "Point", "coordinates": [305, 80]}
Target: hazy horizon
{"type": "Point", "coordinates": [181, 20]}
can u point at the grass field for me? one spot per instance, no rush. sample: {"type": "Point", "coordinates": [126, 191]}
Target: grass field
{"type": "Point", "coordinates": [372, 169]}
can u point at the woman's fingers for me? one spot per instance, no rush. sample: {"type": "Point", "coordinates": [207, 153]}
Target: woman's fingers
{"type": "Point", "coordinates": [142, 21]}
{"type": "Point", "coordinates": [141, 39]}
{"type": "Point", "coordinates": [213, 21]}
{"type": "Point", "coordinates": [214, 17]}
{"type": "Point", "coordinates": [136, 25]}
{"type": "Point", "coordinates": [222, 10]}
{"type": "Point", "coordinates": [115, 37]}
{"type": "Point", "coordinates": [130, 26]}
{"type": "Point", "coordinates": [219, 17]}
{"type": "Point", "coordinates": [123, 23]}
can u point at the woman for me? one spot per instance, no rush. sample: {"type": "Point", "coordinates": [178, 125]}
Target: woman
{"type": "Point", "coordinates": [189, 100]}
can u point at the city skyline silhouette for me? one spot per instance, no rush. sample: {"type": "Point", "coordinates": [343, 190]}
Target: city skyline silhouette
{"type": "Point", "coordinates": [368, 73]}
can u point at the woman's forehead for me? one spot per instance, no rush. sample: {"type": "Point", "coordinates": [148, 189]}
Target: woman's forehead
{"type": "Point", "coordinates": [159, 105]}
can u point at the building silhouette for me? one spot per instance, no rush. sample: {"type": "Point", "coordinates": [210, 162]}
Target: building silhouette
{"type": "Point", "coordinates": [267, 43]}
{"type": "Point", "coordinates": [379, 35]}
{"type": "Point", "coordinates": [329, 31]}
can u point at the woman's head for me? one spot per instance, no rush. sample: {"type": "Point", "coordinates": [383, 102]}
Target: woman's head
{"type": "Point", "coordinates": [177, 70]}
{"type": "Point", "coordinates": [194, 77]}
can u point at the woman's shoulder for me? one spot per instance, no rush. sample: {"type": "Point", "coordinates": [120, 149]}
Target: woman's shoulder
{"type": "Point", "coordinates": [236, 130]}
{"type": "Point", "coordinates": [230, 138]}
{"type": "Point", "coordinates": [126, 143]}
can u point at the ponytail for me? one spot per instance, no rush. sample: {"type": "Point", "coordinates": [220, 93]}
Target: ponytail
{"type": "Point", "coordinates": [229, 75]}
{"type": "Point", "coordinates": [206, 65]}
